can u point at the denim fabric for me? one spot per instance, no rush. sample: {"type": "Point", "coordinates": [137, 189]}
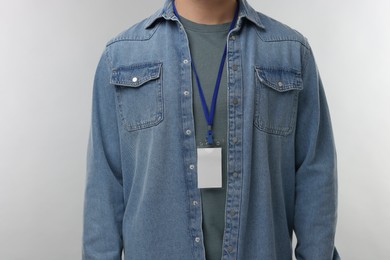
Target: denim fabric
{"type": "Point", "coordinates": [141, 192]}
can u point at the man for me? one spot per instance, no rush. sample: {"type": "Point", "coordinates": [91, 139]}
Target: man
{"type": "Point", "coordinates": [210, 139]}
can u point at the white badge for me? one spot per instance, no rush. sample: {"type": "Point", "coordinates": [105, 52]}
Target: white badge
{"type": "Point", "coordinates": [210, 167]}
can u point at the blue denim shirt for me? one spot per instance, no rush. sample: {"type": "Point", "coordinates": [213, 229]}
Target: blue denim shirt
{"type": "Point", "coordinates": [141, 189]}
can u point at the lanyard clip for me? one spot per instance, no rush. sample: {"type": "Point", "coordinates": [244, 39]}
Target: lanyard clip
{"type": "Point", "coordinates": [210, 135]}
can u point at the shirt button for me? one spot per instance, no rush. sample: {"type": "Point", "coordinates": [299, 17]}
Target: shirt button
{"type": "Point", "coordinates": [192, 167]}
{"type": "Point", "coordinates": [197, 239]}
{"type": "Point", "coordinates": [233, 37]}
{"type": "Point", "coordinates": [230, 249]}
{"type": "Point", "coordinates": [234, 140]}
{"type": "Point", "coordinates": [188, 132]}
{"type": "Point", "coordinates": [186, 93]}
{"type": "Point", "coordinates": [232, 212]}
{"type": "Point", "coordinates": [235, 101]}
{"type": "Point", "coordinates": [235, 67]}
{"type": "Point", "coordinates": [280, 84]}
{"type": "Point", "coordinates": [235, 174]}
{"type": "Point", "coordinates": [135, 79]}
{"type": "Point", "coordinates": [185, 61]}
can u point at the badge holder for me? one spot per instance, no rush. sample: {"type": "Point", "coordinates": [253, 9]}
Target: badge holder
{"type": "Point", "coordinates": [209, 167]}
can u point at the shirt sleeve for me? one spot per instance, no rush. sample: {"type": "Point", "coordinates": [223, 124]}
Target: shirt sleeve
{"type": "Point", "coordinates": [316, 174]}
{"type": "Point", "coordinates": [103, 203]}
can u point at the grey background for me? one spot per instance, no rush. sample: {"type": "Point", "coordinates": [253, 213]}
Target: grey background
{"type": "Point", "coordinates": [48, 54]}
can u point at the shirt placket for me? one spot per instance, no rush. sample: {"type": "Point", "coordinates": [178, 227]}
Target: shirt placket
{"type": "Point", "coordinates": [234, 146]}
{"type": "Point", "coordinates": [189, 147]}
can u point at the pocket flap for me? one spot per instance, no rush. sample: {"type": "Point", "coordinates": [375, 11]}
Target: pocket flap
{"type": "Point", "coordinates": [135, 75]}
{"type": "Point", "coordinates": [281, 80]}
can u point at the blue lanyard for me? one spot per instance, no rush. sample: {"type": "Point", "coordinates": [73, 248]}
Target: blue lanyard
{"type": "Point", "coordinates": [209, 114]}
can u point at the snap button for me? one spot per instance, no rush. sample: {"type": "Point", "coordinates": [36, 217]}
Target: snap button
{"type": "Point", "coordinates": [197, 239]}
{"type": "Point", "coordinates": [135, 79]}
{"type": "Point", "coordinates": [192, 167]}
{"type": "Point", "coordinates": [186, 93]}
{"type": "Point", "coordinates": [185, 61]}
{"type": "Point", "coordinates": [188, 132]}
{"type": "Point", "coordinates": [280, 84]}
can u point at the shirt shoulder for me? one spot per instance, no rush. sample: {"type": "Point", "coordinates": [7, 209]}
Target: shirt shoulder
{"type": "Point", "coordinates": [274, 31]}
{"type": "Point", "coordinates": [140, 31]}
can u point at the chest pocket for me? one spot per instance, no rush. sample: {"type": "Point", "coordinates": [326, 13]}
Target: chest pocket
{"type": "Point", "coordinates": [276, 100]}
{"type": "Point", "coordinates": [139, 95]}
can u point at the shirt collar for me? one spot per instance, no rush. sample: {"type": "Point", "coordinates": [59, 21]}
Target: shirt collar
{"type": "Point", "coordinates": [246, 11]}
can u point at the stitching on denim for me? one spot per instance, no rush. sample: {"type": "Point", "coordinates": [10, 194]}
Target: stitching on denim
{"type": "Point", "coordinates": [283, 131]}
{"type": "Point", "coordinates": [142, 80]}
{"type": "Point", "coordinates": [261, 73]}
{"type": "Point", "coordinates": [108, 58]}
{"type": "Point", "coordinates": [258, 121]}
{"type": "Point", "coordinates": [126, 36]}
{"type": "Point", "coordinates": [157, 117]}
{"type": "Point", "coordinates": [297, 37]}
{"type": "Point", "coordinates": [153, 121]}
{"type": "Point", "coordinates": [283, 38]}
{"type": "Point", "coordinates": [308, 53]}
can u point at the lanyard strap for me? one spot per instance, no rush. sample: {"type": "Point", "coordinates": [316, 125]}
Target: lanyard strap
{"type": "Point", "coordinates": [209, 114]}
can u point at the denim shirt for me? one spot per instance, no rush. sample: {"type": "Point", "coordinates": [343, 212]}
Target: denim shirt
{"type": "Point", "coordinates": [141, 192]}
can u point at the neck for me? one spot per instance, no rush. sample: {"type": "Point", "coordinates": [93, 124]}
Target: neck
{"type": "Point", "coordinates": [206, 11]}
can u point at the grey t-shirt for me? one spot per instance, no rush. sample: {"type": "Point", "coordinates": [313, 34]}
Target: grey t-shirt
{"type": "Point", "coordinates": [207, 43]}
